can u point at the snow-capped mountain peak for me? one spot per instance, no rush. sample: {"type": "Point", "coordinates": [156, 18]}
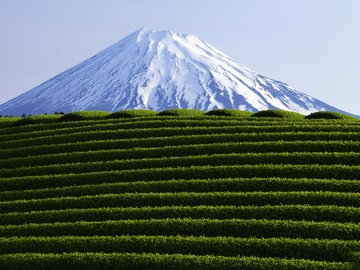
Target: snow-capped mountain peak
{"type": "Point", "coordinates": [160, 70]}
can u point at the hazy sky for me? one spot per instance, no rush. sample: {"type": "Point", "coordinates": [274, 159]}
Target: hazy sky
{"type": "Point", "coordinates": [313, 45]}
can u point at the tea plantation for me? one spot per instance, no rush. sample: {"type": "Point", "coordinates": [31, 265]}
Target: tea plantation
{"type": "Point", "coordinates": [180, 190]}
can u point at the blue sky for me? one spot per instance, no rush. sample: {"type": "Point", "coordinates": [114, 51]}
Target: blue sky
{"type": "Point", "coordinates": [313, 45]}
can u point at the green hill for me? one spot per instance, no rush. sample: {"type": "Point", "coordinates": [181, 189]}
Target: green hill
{"type": "Point", "coordinates": [179, 190]}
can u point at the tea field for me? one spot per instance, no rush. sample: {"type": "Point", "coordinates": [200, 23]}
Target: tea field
{"type": "Point", "coordinates": [179, 190]}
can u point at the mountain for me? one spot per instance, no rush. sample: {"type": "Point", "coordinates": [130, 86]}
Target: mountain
{"type": "Point", "coordinates": [160, 70]}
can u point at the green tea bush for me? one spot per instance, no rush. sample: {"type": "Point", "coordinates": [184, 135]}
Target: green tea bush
{"type": "Point", "coordinates": [191, 227]}
{"type": "Point", "coordinates": [182, 112]}
{"type": "Point", "coordinates": [6, 122]}
{"type": "Point", "coordinates": [84, 115]}
{"type": "Point", "coordinates": [230, 112]}
{"type": "Point", "coordinates": [329, 115]}
{"type": "Point", "coordinates": [194, 172]}
{"type": "Point", "coordinates": [37, 119]}
{"type": "Point", "coordinates": [243, 132]}
{"type": "Point", "coordinates": [252, 124]}
{"type": "Point", "coordinates": [188, 161]}
{"type": "Point", "coordinates": [317, 213]}
{"type": "Point", "coordinates": [131, 114]}
{"type": "Point", "coordinates": [331, 250]}
{"type": "Point", "coordinates": [149, 261]}
{"type": "Point", "coordinates": [167, 136]}
{"type": "Point", "coordinates": [175, 150]}
{"type": "Point", "coordinates": [184, 198]}
{"type": "Point", "coordinates": [278, 114]}
{"type": "Point", "coordinates": [355, 258]}
{"type": "Point", "coordinates": [189, 185]}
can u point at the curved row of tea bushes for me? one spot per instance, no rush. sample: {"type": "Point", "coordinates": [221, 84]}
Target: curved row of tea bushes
{"type": "Point", "coordinates": [331, 250]}
{"type": "Point", "coordinates": [297, 158]}
{"type": "Point", "coordinates": [167, 136]}
{"type": "Point", "coordinates": [331, 213]}
{"type": "Point", "coordinates": [199, 172]}
{"type": "Point", "coordinates": [149, 261]}
{"type": "Point", "coordinates": [187, 185]}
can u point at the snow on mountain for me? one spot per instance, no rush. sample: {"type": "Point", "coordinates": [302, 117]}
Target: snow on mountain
{"type": "Point", "coordinates": [160, 70]}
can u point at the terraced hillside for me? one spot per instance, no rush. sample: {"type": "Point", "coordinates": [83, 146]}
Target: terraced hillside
{"type": "Point", "coordinates": [180, 192]}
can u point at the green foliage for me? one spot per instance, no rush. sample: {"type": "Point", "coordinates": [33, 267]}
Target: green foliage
{"type": "Point", "coordinates": [200, 134]}
{"type": "Point", "coordinates": [184, 198]}
{"type": "Point", "coordinates": [188, 161]}
{"type": "Point", "coordinates": [84, 115]}
{"type": "Point", "coordinates": [6, 122]}
{"type": "Point", "coordinates": [332, 250]}
{"type": "Point", "coordinates": [115, 124]}
{"type": "Point", "coordinates": [234, 191]}
{"type": "Point", "coordinates": [182, 112]}
{"type": "Point", "coordinates": [230, 112]}
{"type": "Point", "coordinates": [278, 114]}
{"type": "Point", "coordinates": [175, 123]}
{"type": "Point", "coordinates": [148, 261]}
{"type": "Point", "coordinates": [44, 154]}
{"type": "Point", "coordinates": [329, 213]}
{"type": "Point", "coordinates": [167, 136]}
{"type": "Point", "coordinates": [188, 185]}
{"type": "Point", "coordinates": [37, 119]}
{"type": "Point", "coordinates": [200, 172]}
{"type": "Point", "coordinates": [131, 114]}
{"type": "Point", "coordinates": [329, 115]}
{"type": "Point", "coordinates": [192, 227]}
{"type": "Point", "coordinates": [355, 258]}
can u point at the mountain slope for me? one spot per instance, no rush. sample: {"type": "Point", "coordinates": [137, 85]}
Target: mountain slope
{"type": "Point", "coordinates": [160, 70]}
